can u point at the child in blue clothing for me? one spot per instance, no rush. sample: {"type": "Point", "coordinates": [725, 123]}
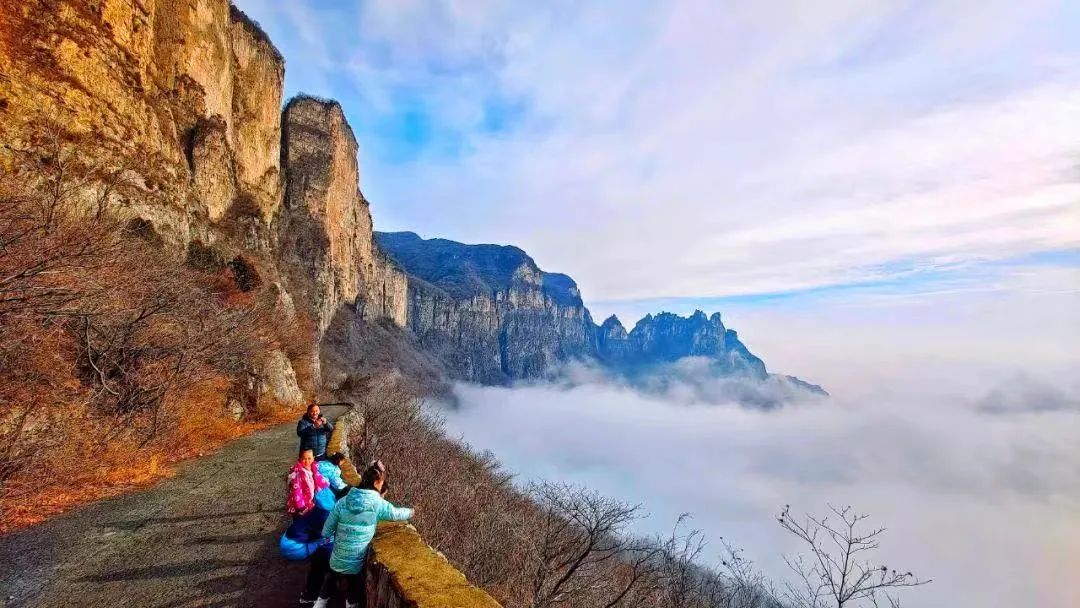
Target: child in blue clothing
{"type": "Point", "coordinates": [303, 541]}
{"type": "Point", "coordinates": [352, 525]}
{"type": "Point", "coordinates": [329, 468]}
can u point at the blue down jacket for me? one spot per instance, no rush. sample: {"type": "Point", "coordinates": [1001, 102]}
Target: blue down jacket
{"type": "Point", "coordinates": [325, 498]}
{"type": "Point", "coordinates": [302, 537]}
{"type": "Point", "coordinates": [313, 438]}
{"type": "Point", "coordinates": [352, 524]}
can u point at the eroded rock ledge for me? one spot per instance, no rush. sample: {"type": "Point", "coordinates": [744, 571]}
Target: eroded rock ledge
{"type": "Point", "coordinates": [182, 99]}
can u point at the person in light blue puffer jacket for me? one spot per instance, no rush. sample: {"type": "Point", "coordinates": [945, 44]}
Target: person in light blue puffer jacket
{"type": "Point", "coordinates": [330, 469]}
{"type": "Point", "coordinates": [352, 524]}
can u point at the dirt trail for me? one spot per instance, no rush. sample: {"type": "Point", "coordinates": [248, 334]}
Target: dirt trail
{"type": "Point", "coordinates": [207, 537]}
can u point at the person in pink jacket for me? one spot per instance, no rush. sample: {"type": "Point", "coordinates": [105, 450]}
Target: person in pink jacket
{"type": "Point", "coordinates": [304, 482]}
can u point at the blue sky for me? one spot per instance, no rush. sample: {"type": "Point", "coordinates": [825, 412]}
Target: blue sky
{"type": "Point", "coordinates": [698, 154]}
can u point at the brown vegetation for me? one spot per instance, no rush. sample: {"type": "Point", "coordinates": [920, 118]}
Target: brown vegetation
{"type": "Point", "coordinates": [116, 357]}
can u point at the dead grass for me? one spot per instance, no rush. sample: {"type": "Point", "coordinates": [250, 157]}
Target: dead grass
{"type": "Point", "coordinates": [117, 359]}
{"type": "Point", "coordinates": [122, 467]}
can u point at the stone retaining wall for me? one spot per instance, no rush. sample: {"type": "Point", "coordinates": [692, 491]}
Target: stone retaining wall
{"type": "Point", "coordinates": [403, 572]}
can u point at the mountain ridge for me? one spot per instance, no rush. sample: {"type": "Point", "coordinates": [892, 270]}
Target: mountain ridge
{"type": "Point", "coordinates": [504, 319]}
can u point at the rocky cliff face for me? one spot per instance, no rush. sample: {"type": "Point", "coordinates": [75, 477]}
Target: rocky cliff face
{"type": "Point", "coordinates": [324, 230]}
{"type": "Point", "coordinates": [488, 311]}
{"type": "Point", "coordinates": [666, 338]}
{"type": "Point", "coordinates": [492, 316]}
{"type": "Point", "coordinates": [184, 95]}
{"type": "Point", "coordinates": [180, 102]}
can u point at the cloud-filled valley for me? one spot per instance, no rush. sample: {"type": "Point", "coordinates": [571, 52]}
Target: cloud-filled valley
{"type": "Point", "coordinates": [979, 491]}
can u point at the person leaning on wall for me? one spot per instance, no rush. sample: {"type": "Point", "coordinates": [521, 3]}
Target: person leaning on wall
{"type": "Point", "coordinates": [330, 468]}
{"type": "Point", "coordinates": [352, 525]}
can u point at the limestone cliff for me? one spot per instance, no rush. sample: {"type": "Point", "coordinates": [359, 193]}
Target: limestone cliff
{"type": "Point", "coordinates": [184, 95]}
{"type": "Point", "coordinates": [492, 316]}
{"type": "Point", "coordinates": [180, 103]}
{"type": "Point", "coordinates": [324, 230]}
{"type": "Point", "coordinates": [488, 311]}
{"type": "Point", "coordinates": [666, 337]}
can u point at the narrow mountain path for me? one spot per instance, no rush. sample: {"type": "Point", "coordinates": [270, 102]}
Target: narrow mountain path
{"type": "Point", "coordinates": [207, 537]}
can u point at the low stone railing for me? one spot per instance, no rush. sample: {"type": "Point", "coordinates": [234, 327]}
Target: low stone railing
{"type": "Point", "coordinates": [403, 572]}
{"type": "Point", "coordinates": [339, 442]}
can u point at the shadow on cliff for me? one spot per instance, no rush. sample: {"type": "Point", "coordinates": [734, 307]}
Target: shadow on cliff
{"type": "Point", "coordinates": [355, 351]}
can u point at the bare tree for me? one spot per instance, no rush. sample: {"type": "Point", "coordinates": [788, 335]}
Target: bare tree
{"type": "Point", "coordinates": [838, 570]}
{"type": "Point", "coordinates": [679, 574]}
{"type": "Point", "coordinates": [108, 338]}
{"type": "Point", "coordinates": [742, 584]}
{"type": "Point", "coordinates": [580, 548]}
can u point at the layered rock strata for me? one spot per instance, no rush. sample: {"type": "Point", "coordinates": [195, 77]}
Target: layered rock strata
{"type": "Point", "coordinates": [179, 103]}
{"type": "Point", "coordinates": [492, 316]}
{"type": "Point", "coordinates": [183, 95]}
{"type": "Point", "coordinates": [324, 230]}
{"type": "Point", "coordinates": [666, 338]}
{"type": "Point", "coordinates": [488, 311]}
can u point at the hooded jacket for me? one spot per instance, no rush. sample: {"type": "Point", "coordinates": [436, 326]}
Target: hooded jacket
{"type": "Point", "coordinates": [326, 497]}
{"type": "Point", "coordinates": [352, 524]}
{"type": "Point", "coordinates": [303, 484]}
{"type": "Point", "coordinates": [331, 473]}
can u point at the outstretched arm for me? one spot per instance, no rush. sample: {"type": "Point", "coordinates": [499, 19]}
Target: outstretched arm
{"type": "Point", "coordinates": [388, 512]}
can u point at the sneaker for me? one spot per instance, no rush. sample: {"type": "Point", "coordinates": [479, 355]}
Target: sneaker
{"type": "Point", "coordinates": [304, 601]}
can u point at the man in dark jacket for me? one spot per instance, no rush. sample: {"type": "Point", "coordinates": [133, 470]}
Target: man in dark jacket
{"type": "Point", "coordinates": [314, 430]}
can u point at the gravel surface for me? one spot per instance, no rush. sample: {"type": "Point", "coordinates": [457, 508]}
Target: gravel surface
{"type": "Point", "coordinates": [206, 537]}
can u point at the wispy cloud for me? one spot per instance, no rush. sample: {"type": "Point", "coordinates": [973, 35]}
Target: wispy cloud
{"type": "Point", "coordinates": [696, 149]}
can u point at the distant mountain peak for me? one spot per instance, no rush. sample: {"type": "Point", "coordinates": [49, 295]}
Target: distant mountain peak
{"type": "Point", "coordinates": [466, 271]}
{"type": "Point", "coordinates": [612, 321]}
{"type": "Point", "coordinates": [497, 318]}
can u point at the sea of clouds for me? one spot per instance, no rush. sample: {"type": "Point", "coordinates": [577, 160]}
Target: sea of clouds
{"type": "Point", "coordinates": [977, 480]}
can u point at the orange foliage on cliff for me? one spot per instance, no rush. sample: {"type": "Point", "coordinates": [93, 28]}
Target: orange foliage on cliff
{"type": "Point", "coordinates": [117, 358]}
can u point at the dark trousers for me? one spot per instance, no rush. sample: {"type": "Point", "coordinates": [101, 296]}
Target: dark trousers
{"type": "Point", "coordinates": [355, 591]}
{"type": "Point", "coordinates": [320, 565]}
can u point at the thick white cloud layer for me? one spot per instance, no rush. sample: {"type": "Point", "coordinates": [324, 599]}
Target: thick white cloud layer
{"type": "Point", "coordinates": [982, 500]}
{"type": "Point", "coordinates": [954, 421]}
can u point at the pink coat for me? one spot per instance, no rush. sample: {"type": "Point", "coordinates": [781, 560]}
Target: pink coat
{"type": "Point", "coordinates": [303, 483]}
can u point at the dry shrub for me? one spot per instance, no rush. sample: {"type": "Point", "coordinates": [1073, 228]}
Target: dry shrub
{"type": "Point", "coordinates": [113, 351]}
{"type": "Point", "coordinates": [466, 506]}
{"type": "Point", "coordinates": [550, 545]}
{"type": "Point", "coordinates": [296, 340]}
